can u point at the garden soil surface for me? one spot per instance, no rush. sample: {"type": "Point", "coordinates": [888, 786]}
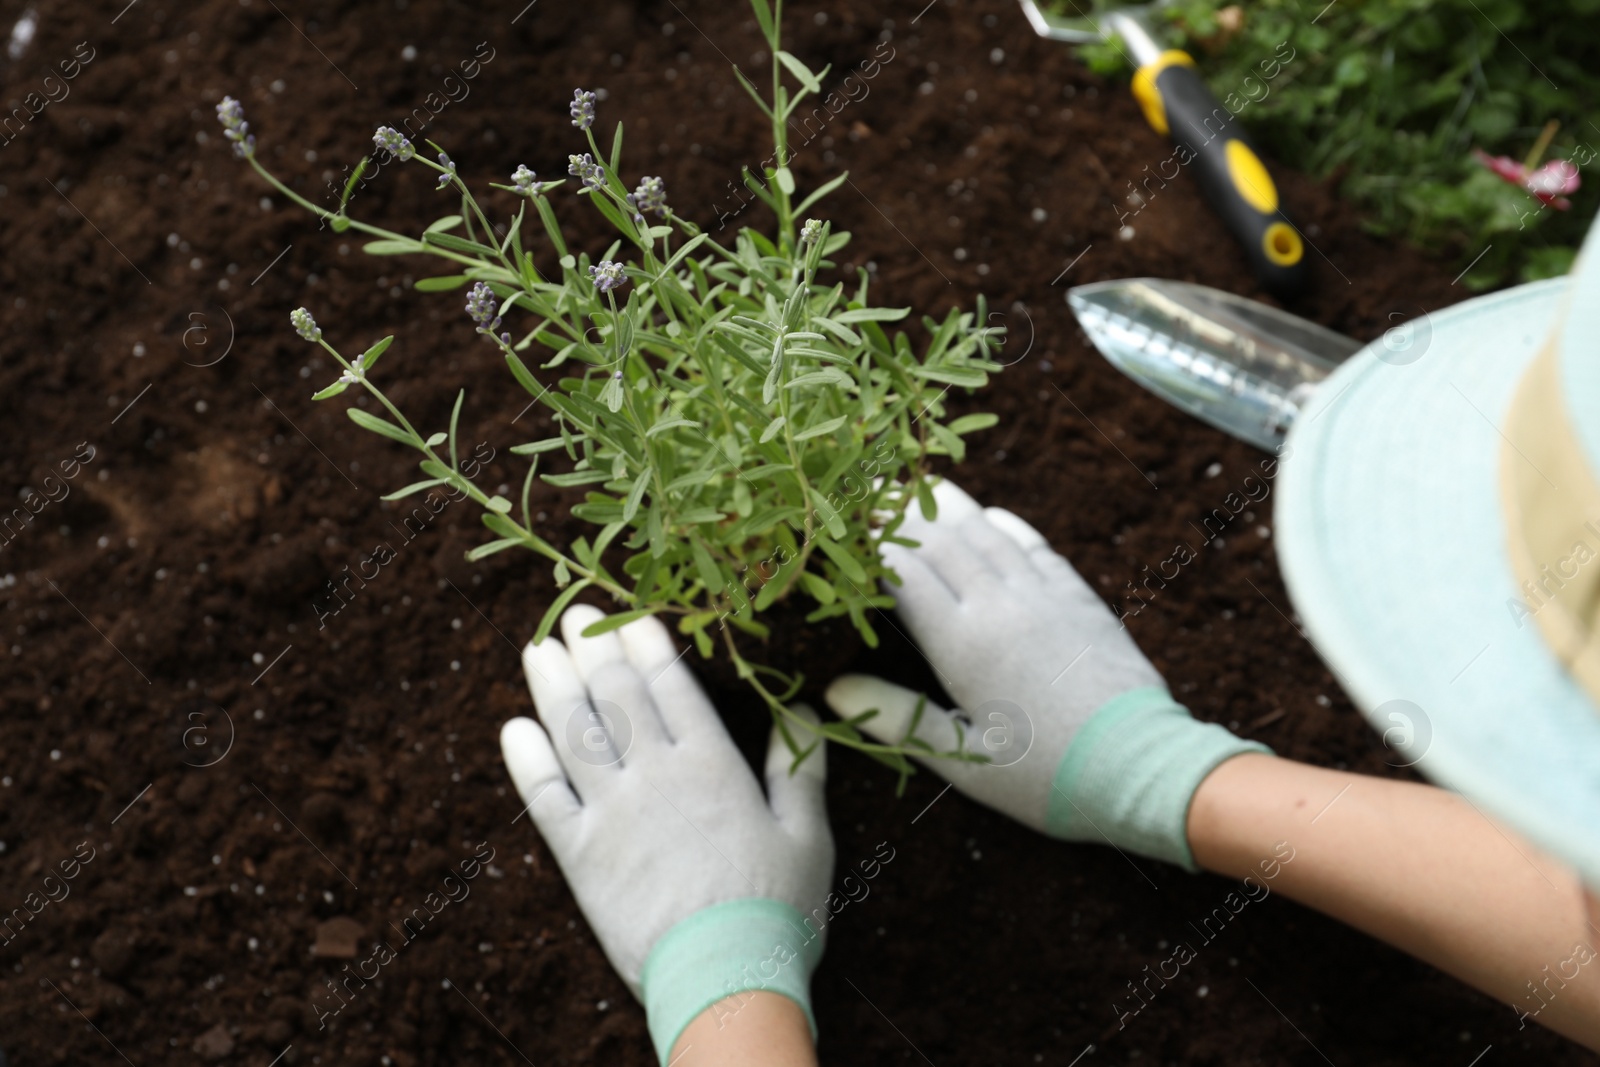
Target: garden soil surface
{"type": "Point", "coordinates": [264, 797]}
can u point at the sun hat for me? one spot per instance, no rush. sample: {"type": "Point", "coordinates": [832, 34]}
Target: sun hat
{"type": "Point", "coordinates": [1438, 527]}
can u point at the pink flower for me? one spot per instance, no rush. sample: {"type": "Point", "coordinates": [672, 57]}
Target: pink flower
{"type": "Point", "coordinates": [1547, 183]}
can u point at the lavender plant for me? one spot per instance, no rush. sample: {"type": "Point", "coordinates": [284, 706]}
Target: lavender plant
{"type": "Point", "coordinates": [749, 430]}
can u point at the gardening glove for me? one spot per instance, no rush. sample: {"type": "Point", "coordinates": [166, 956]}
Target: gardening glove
{"type": "Point", "coordinates": [1083, 740]}
{"type": "Point", "coordinates": [697, 885]}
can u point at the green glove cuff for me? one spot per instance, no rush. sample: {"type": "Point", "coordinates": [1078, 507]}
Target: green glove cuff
{"type": "Point", "coordinates": [737, 947]}
{"type": "Point", "coordinates": [1131, 771]}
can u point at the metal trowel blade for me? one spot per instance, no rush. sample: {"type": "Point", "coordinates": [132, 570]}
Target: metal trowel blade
{"type": "Point", "coordinates": [1239, 365]}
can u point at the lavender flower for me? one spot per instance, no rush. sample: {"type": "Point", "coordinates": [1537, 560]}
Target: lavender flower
{"type": "Point", "coordinates": [450, 170]}
{"type": "Point", "coordinates": [650, 196]}
{"type": "Point", "coordinates": [355, 374]}
{"type": "Point", "coordinates": [811, 231]}
{"type": "Point", "coordinates": [607, 276]}
{"type": "Point", "coordinates": [231, 114]}
{"type": "Point", "coordinates": [582, 109]}
{"type": "Point", "coordinates": [584, 166]}
{"type": "Point", "coordinates": [481, 306]}
{"type": "Point", "coordinates": [390, 140]}
{"type": "Point", "coordinates": [526, 181]}
{"type": "Point", "coordinates": [305, 325]}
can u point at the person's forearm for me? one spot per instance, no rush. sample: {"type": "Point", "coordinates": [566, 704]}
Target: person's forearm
{"type": "Point", "coordinates": [747, 1030]}
{"type": "Point", "coordinates": [1417, 867]}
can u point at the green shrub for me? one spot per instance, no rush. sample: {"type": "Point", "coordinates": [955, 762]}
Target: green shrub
{"type": "Point", "coordinates": [749, 431]}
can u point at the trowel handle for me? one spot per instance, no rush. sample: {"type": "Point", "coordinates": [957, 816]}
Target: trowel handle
{"type": "Point", "coordinates": [1212, 145]}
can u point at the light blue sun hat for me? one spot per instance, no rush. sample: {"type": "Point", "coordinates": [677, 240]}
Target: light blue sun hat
{"type": "Point", "coordinates": [1438, 527]}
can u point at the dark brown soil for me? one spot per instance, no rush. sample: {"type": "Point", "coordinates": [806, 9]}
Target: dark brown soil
{"type": "Point", "coordinates": [174, 583]}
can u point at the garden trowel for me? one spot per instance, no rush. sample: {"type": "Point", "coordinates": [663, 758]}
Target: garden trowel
{"type": "Point", "coordinates": [1241, 366]}
{"type": "Point", "coordinates": [1209, 141]}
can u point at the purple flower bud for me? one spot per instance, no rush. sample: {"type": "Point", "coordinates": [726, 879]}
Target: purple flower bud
{"type": "Point", "coordinates": [526, 181]}
{"type": "Point", "coordinates": [481, 306]}
{"type": "Point", "coordinates": [444, 179]}
{"type": "Point", "coordinates": [650, 196]}
{"type": "Point", "coordinates": [811, 231]}
{"type": "Point", "coordinates": [607, 275]}
{"type": "Point", "coordinates": [305, 325]}
{"type": "Point", "coordinates": [584, 166]}
{"type": "Point", "coordinates": [582, 109]}
{"type": "Point", "coordinates": [390, 140]}
{"type": "Point", "coordinates": [231, 114]}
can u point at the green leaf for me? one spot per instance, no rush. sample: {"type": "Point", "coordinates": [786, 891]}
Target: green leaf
{"type": "Point", "coordinates": [484, 551]}
{"type": "Point", "coordinates": [499, 505]}
{"type": "Point", "coordinates": [830, 517]}
{"type": "Point", "coordinates": [973, 423]}
{"type": "Point", "coordinates": [437, 439]}
{"type": "Point", "coordinates": [379, 426]}
{"type": "Point", "coordinates": [925, 497]}
{"type": "Point", "coordinates": [842, 558]}
{"type": "Point", "coordinates": [785, 179]}
{"type": "Point", "coordinates": [801, 72]}
{"type": "Point", "coordinates": [630, 506]}
{"type": "Point", "coordinates": [370, 356]}
{"type": "Point", "coordinates": [551, 614]}
{"type": "Point", "coordinates": [576, 478]}
{"type": "Point", "coordinates": [441, 284]}
{"type": "Point", "coordinates": [821, 191]}
{"type": "Point", "coordinates": [825, 376]}
{"type": "Point", "coordinates": [415, 487]}
{"type": "Point", "coordinates": [455, 417]}
{"type": "Point", "coordinates": [970, 379]}
{"type": "Point", "coordinates": [333, 390]}
{"type": "Point", "coordinates": [764, 18]}
{"type": "Point", "coordinates": [669, 424]}
{"type": "Point", "coordinates": [533, 448]}
{"type": "Point", "coordinates": [391, 248]}
{"type": "Point", "coordinates": [872, 315]}
{"type": "Point", "coordinates": [818, 587]}
{"type": "Point", "coordinates": [449, 222]}
{"type": "Point", "coordinates": [773, 429]}
{"type": "Point", "coordinates": [710, 574]}
{"type": "Point", "coordinates": [616, 148]}
{"type": "Point", "coordinates": [350, 185]}
{"type": "Point", "coordinates": [821, 428]}
{"type": "Point", "coordinates": [616, 622]}
{"type": "Point", "coordinates": [458, 244]}
{"type": "Point", "coordinates": [524, 377]}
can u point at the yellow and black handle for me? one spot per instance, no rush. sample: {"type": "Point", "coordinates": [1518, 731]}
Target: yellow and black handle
{"type": "Point", "coordinates": [1231, 175]}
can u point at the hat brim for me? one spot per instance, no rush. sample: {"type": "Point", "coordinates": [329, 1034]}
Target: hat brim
{"type": "Point", "coordinates": [1393, 547]}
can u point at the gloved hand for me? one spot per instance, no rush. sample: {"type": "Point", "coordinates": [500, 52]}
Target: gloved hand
{"type": "Point", "coordinates": [1084, 741]}
{"type": "Point", "coordinates": [697, 885]}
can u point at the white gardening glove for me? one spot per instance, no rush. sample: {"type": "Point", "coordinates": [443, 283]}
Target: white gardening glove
{"type": "Point", "coordinates": [1084, 741]}
{"type": "Point", "coordinates": [697, 885]}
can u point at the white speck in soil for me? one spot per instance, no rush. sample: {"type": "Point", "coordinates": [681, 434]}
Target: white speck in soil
{"type": "Point", "coordinates": [408, 53]}
{"type": "Point", "coordinates": [1125, 234]}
